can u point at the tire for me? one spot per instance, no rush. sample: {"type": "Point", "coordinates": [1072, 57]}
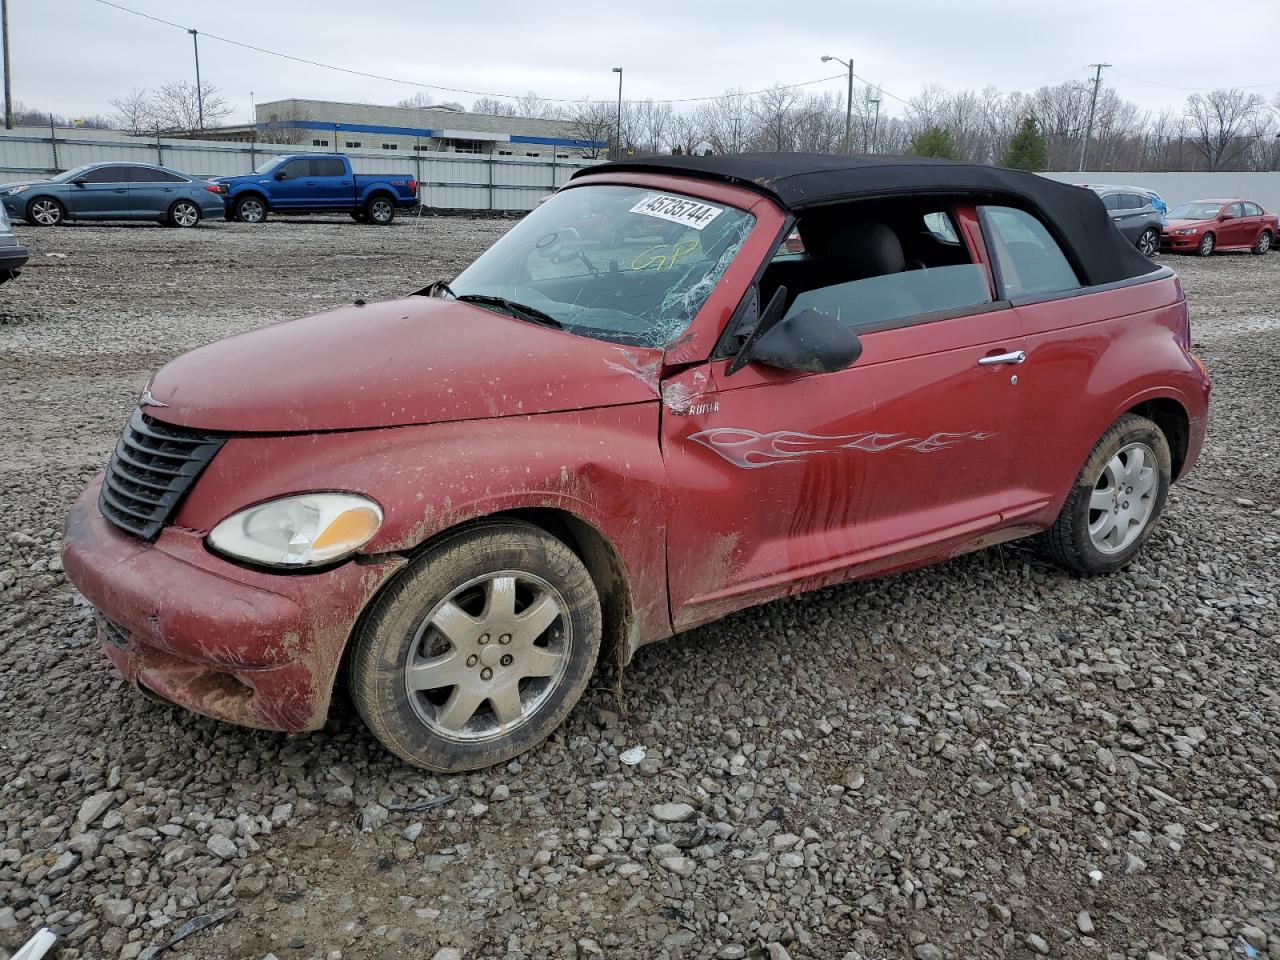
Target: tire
{"type": "Point", "coordinates": [357, 215]}
{"type": "Point", "coordinates": [1263, 245]}
{"type": "Point", "coordinates": [379, 210]}
{"type": "Point", "coordinates": [183, 213]}
{"type": "Point", "coordinates": [1149, 242]}
{"type": "Point", "coordinates": [45, 212]}
{"type": "Point", "coordinates": [446, 722]}
{"type": "Point", "coordinates": [1080, 539]}
{"type": "Point", "coordinates": [251, 209]}
{"type": "Point", "coordinates": [1207, 245]}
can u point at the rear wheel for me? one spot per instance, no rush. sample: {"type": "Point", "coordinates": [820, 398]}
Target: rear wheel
{"type": "Point", "coordinates": [45, 212]}
{"type": "Point", "coordinates": [479, 650]}
{"type": "Point", "coordinates": [1207, 244]}
{"type": "Point", "coordinates": [380, 210]}
{"type": "Point", "coordinates": [1149, 242]}
{"type": "Point", "coordinates": [1116, 500]}
{"type": "Point", "coordinates": [184, 213]}
{"type": "Point", "coordinates": [1264, 243]}
{"type": "Point", "coordinates": [251, 210]}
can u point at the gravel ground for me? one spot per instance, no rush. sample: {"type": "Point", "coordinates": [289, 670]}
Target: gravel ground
{"type": "Point", "coordinates": [986, 758]}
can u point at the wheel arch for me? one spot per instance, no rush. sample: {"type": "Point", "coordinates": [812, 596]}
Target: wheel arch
{"type": "Point", "coordinates": [177, 200]}
{"type": "Point", "coordinates": [66, 210]}
{"type": "Point", "coordinates": [256, 194]}
{"type": "Point", "coordinates": [1174, 422]}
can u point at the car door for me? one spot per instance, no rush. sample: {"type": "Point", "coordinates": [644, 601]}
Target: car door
{"type": "Point", "coordinates": [152, 192]}
{"type": "Point", "coordinates": [1253, 222]}
{"type": "Point", "coordinates": [289, 189]}
{"type": "Point", "coordinates": [1233, 232]}
{"type": "Point", "coordinates": [794, 480]}
{"type": "Point", "coordinates": [100, 194]}
{"type": "Point", "coordinates": [330, 185]}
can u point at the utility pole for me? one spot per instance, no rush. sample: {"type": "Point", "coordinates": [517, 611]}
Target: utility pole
{"type": "Point", "coordinates": [848, 103]}
{"type": "Point", "coordinates": [875, 125]}
{"type": "Point", "coordinates": [1093, 105]}
{"type": "Point", "coordinates": [195, 42]}
{"type": "Point", "coordinates": [617, 137]}
{"type": "Point", "coordinates": [8, 93]}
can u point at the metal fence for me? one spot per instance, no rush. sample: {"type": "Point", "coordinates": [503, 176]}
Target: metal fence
{"type": "Point", "coordinates": [446, 180]}
{"type": "Point", "coordinates": [1175, 188]}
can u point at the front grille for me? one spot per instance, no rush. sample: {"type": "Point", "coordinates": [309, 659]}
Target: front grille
{"type": "Point", "coordinates": [152, 468]}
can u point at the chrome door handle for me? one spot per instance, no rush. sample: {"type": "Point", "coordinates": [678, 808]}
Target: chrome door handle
{"type": "Point", "coordinates": [1017, 356]}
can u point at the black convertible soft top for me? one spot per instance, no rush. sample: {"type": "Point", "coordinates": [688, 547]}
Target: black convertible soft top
{"type": "Point", "coordinates": [802, 181]}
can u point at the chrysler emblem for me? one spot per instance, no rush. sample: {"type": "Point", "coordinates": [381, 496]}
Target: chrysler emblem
{"type": "Point", "coordinates": [147, 400]}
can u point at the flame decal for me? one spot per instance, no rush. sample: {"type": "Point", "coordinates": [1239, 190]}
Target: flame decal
{"type": "Point", "coordinates": [751, 450]}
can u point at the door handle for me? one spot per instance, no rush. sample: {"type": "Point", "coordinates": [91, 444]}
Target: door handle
{"type": "Point", "coordinates": [1116, 219]}
{"type": "Point", "coordinates": [1015, 357]}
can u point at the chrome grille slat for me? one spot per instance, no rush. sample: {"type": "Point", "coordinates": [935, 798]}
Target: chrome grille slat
{"type": "Point", "coordinates": [152, 468]}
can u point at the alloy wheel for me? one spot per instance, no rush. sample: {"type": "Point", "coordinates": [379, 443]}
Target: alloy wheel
{"type": "Point", "coordinates": [251, 211]}
{"type": "Point", "coordinates": [47, 213]}
{"type": "Point", "coordinates": [380, 210]}
{"type": "Point", "coordinates": [186, 215]}
{"type": "Point", "coordinates": [488, 656]}
{"type": "Point", "coordinates": [1264, 243]}
{"type": "Point", "coordinates": [1206, 245]}
{"type": "Point", "coordinates": [1123, 499]}
{"type": "Point", "coordinates": [1148, 242]}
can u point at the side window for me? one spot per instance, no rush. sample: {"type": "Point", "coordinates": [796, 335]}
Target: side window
{"type": "Point", "coordinates": [1111, 201]}
{"type": "Point", "coordinates": [1236, 210]}
{"type": "Point", "coordinates": [152, 175]}
{"type": "Point", "coordinates": [1131, 201]}
{"type": "Point", "coordinates": [327, 167]}
{"type": "Point", "coordinates": [296, 169]}
{"type": "Point", "coordinates": [107, 175]}
{"type": "Point", "coordinates": [1028, 259]}
{"type": "Point", "coordinates": [889, 267]}
{"type": "Point", "coordinates": [1252, 210]}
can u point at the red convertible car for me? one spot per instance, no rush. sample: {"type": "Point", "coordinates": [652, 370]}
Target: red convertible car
{"type": "Point", "coordinates": [638, 411]}
{"type": "Point", "coordinates": [1206, 226]}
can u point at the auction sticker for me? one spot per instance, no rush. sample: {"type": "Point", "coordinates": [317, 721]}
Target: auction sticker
{"type": "Point", "coordinates": [682, 210]}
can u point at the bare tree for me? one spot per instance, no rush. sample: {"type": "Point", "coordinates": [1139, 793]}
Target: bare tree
{"type": "Point", "coordinates": [687, 135]}
{"type": "Point", "coordinates": [175, 107]}
{"type": "Point", "coordinates": [775, 118]}
{"type": "Point", "coordinates": [133, 112]}
{"type": "Point", "coordinates": [1224, 124]}
{"type": "Point", "coordinates": [418, 101]}
{"type": "Point", "coordinates": [593, 121]}
{"type": "Point", "coordinates": [494, 107]}
{"type": "Point", "coordinates": [725, 122]}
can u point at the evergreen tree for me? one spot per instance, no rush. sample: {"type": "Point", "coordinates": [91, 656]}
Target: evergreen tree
{"type": "Point", "coordinates": [934, 142]}
{"type": "Point", "coordinates": [1027, 150]}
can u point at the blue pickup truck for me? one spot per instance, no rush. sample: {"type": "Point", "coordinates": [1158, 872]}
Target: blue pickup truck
{"type": "Point", "coordinates": [311, 183]}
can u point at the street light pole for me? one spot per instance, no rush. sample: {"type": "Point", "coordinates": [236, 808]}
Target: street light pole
{"type": "Point", "coordinates": [8, 93]}
{"type": "Point", "coordinates": [617, 136]}
{"type": "Point", "coordinates": [195, 42]}
{"type": "Point", "coordinates": [875, 124]}
{"type": "Point", "coordinates": [848, 103]}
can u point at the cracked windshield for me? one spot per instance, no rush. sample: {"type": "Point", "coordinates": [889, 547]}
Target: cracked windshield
{"type": "Point", "coordinates": [626, 264]}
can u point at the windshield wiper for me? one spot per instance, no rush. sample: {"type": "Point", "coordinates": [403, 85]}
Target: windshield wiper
{"type": "Point", "coordinates": [519, 310]}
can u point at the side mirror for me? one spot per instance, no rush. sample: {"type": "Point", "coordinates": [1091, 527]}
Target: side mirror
{"type": "Point", "coordinates": [282, 176]}
{"type": "Point", "coordinates": [78, 182]}
{"type": "Point", "coordinates": [1224, 215]}
{"type": "Point", "coordinates": [808, 342]}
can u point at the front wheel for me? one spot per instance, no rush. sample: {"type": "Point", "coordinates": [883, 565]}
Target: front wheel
{"type": "Point", "coordinates": [479, 650]}
{"type": "Point", "coordinates": [184, 213]}
{"type": "Point", "coordinates": [1149, 242]}
{"type": "Point", "coordinates": [45, 212]}
{"type": "Point", "coordinates": [1263, 244]}
{"type": "Point", "coordinates": [251, 210]}
{"type": "Point", "coordinates": [1207, 244]}
{"type": "Point", "coordinates": [380, 210]}
{"type": "Point", "coordinates": [1116, 500]}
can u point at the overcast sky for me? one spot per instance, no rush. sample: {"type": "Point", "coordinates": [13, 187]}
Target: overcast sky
{"type": "Point", "coordinates": [73, 56]}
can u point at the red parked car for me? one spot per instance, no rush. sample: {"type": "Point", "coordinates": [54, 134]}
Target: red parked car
{"type": "Point", "coordinates": [593, 439]}
{"type": "Point", "coordinates": [1207, 226]}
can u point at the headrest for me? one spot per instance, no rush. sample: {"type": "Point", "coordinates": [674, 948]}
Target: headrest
{"type": "Point", "coordinates": [854, 248]}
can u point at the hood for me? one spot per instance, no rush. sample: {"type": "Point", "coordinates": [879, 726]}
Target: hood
{"type": "Point", "coordinates": [411, 361]}
{"type": "Point", "coordinates": [1182, 224]}
{"type": "Point", "coordinates": [21, 183]}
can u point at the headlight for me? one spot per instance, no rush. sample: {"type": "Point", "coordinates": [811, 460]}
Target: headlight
{"type": "Point", "coordinates": [300, 531]}
{"type": "Point", "coordinates": [12, 190]}
{"type": "Point", "coordinates": [1185, 232]}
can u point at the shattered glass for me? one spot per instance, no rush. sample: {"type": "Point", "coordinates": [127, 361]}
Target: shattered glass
{"type": "Point", "coordinates": [620, 263]}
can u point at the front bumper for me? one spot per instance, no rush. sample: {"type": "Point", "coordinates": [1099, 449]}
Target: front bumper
{"type": "Point", "coordinates": [240, 645]}
{"type": "Point", "coordinates": [1170, 242]}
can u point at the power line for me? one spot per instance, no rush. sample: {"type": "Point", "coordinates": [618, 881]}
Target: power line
{"type": "Point", "coordinates": [431, 86]}
{"type": "Point", "coordinates": [1174, 86]}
